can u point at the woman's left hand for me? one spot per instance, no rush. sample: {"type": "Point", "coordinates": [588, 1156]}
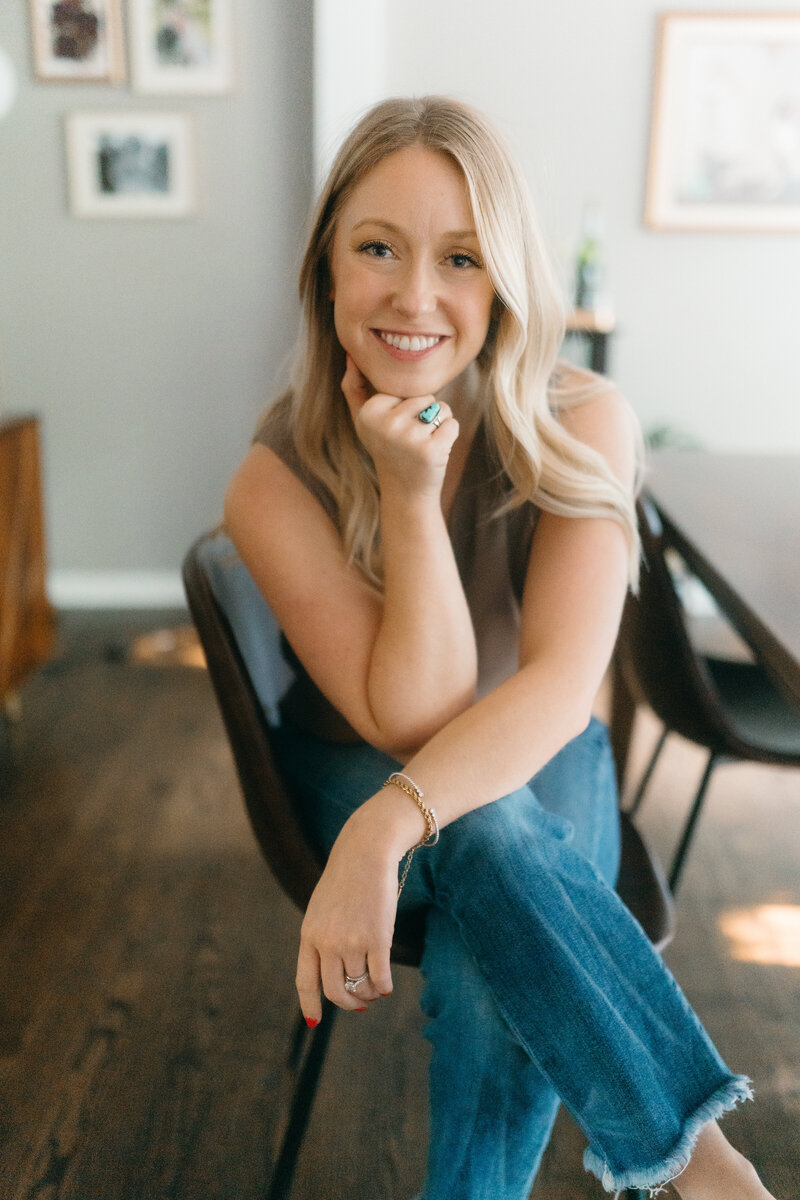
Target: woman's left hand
{"type": "Point", "coordinates": [349, 922]}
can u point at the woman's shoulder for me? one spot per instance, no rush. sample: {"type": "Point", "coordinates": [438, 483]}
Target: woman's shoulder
{"type": "Point", "coordinates": [275, 430]}
{"type": "Point", "coordinates": [592, 409]}
{"type": "Point", "coordinates": [572, 386]}
{"type": "Point", "coordinates": [274, 426]}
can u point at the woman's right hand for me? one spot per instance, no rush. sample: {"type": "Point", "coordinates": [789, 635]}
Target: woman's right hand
{"type": "Point", "coordinates": [406, 452]}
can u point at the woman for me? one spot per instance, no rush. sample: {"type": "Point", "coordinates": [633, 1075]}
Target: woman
{"type": "Point", "coordinates": [441, 518]}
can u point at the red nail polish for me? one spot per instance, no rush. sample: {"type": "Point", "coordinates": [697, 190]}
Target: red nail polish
{"type": "Point", "coordinates": [386, 993]}
{"type": "Point", "coordinates": [312, 1022]}
{"type": "Point", "coordinates": [359, 1010]}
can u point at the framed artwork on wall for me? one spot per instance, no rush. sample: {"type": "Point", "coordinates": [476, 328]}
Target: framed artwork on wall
{"type": "Point", "coordinates": [181, 47]}
{"type": "Point", "coordinates": [725, 143]}
{"type": "Point", "coordinates": [77, 41]}
{"type": "Point", "coordinates": [130, 164]}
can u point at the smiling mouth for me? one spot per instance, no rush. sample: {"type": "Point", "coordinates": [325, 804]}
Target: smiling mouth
{"type": "Point", "coordinates": [412, 342]}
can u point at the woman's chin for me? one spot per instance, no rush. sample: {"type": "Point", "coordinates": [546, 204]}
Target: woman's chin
{"type": "Point", "coordinates": [408, 379]}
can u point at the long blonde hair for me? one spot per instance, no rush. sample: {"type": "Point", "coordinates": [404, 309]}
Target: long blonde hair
{"type": "Point", "coordinates": [523, 385]}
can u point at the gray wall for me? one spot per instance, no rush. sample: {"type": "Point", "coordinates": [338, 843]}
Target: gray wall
{"type": "Point", "coordinates": [149, 346]}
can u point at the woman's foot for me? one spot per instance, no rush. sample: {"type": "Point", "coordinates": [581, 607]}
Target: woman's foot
{"type": "Point", "coordinates": [718, 1172]}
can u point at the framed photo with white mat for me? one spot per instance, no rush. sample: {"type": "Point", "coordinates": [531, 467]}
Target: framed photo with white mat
{"type": "Point", "coordinates": [130, 164]}
{"type": "Point", "coordinates": [725, 145]}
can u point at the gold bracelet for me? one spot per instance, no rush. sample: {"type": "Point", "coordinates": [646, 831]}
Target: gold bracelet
{"type": "Point", "coordinates": [399, 780]}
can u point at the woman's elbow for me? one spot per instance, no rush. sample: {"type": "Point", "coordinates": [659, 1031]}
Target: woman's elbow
{"type": "Point", "coordinates": [403, 734]}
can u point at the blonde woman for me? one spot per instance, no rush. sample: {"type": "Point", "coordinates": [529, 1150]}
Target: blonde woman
{"type": "Point", "coordinates": [440, 515]}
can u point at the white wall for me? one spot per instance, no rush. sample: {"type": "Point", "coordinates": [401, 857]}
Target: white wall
{"type": "Point", "coordinates": [351, 50]}
{"type": "Point", "coordinates": [148, 347]}
{"type": "Point", "coordinates": [707, 333]}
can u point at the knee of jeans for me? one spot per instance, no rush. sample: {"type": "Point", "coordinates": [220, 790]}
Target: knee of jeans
{"type": "Point", "coordinates": [485, 833]}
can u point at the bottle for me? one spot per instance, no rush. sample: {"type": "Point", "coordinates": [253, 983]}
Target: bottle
{"type": "Point", "coordinates": [589, 267]}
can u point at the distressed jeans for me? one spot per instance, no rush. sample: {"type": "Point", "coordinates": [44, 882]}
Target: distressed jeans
{"type": "Point", "coordinates": [539, 985]}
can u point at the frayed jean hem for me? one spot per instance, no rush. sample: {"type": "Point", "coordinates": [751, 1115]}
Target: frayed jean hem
{"type": "Point", "coordinates": [655, 1179]}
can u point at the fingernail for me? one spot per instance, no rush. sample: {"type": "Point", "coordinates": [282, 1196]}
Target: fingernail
{"type": "Point", "coordinates": [386, 993]}
{"type": "Point", "coordinates": [312, 1022]}
{"type": "Point", "coordinates": [359, 1010]}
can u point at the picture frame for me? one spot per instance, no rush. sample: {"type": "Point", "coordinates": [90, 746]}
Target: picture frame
{"type": "Point", "coordinates": [130, 164]}
{"type": "Point", "coordinates": [725, 142]}
{"type": "Point", "coordinates": [181, 47]}
{"type": "Point", "coordinates": [77, 41]}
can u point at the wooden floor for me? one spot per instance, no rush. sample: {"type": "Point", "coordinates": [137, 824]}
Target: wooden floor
{"type": "Point", "coordinates": [147, 960]}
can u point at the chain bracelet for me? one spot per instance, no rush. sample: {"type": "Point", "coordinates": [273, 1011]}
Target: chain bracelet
{"type": "Point", "coordinates": [399, 780]}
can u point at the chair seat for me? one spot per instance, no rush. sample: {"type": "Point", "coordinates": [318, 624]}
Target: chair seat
{"type": "Point", "coordinates": [756, 709]}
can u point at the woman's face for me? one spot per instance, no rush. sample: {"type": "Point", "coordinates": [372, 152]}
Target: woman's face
{"type": "Point", "coordinates": [411, 295]}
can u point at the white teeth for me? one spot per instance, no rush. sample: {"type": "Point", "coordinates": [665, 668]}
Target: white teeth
{"type": "Point", "coordinates": [401, 341]}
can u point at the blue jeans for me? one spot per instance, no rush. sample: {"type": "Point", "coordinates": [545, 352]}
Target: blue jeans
{"type": "Point", "coordinates": [539, 984]}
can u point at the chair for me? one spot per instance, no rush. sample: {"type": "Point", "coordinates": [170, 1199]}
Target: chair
{"type": "Point", "coordinates": [730, 708]}
{"type": "Point", "coordinates": [249, 674]}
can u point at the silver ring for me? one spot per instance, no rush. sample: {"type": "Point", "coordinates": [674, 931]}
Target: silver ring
{"type": "Point", "coordinates": [351, 982]}
{"type": "Point", "coordinates": [436, 422]}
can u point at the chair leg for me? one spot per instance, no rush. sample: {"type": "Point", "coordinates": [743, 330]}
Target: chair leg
{"type": "Point", "coordinates": [651, 766]}
{"type": "Point", "coordinates": [688, 832]}
{"type": "Point", "coordinates": [302, 1100]}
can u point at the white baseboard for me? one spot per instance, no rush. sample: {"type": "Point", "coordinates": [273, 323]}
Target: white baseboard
{"type": "Point", "coordinates": [116, 589]}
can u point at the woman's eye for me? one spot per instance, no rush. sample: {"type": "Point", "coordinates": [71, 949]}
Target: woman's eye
{"type": "Point", "coordinates": [462, 260]}
{"type": "Point", "coordinates": [376, 249]}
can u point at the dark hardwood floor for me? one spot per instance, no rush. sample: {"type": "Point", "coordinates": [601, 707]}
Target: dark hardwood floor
{"type": "Point", "coordinates": [148, 959]}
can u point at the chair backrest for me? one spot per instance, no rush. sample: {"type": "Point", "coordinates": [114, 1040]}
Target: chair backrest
{"type": "Point", "coordinates": [661, 665]}
{"type": "Point", "coordinates": [249, 673]}
{"type": "Point", "coordinates": [221, 595]}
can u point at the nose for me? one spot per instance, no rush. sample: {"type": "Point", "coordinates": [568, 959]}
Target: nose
{"type": "Point", "coordinates": [416, 292]}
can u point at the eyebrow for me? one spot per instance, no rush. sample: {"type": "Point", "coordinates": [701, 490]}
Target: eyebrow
{"type": "Point", "coordinates": [451, 235]}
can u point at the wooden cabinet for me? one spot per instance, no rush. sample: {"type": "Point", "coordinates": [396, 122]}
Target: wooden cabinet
{"type": "Point", "coordinates": [26, 618]}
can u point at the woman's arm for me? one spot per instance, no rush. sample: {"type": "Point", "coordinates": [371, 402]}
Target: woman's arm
{"type": "Point", "coordinates": [399, 666]}
{"type": "Point", "coordinates": [424, 663]}
{"type": "Point", "coordinates": [573, 598]}
{"type": "Point", "coordinates": [574, 593]}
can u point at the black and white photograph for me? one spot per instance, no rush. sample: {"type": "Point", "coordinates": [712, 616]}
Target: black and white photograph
{"type": "Point", "coordinates": [130, 164]}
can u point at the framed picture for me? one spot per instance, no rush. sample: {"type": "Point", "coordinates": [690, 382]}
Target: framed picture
{"type": "Point", "coordinates": [725, 146]}
{"type": "Point", "coordinates": [130, 164]}
{"type": "Point", "coordinates": [181, 46]}
{"type": "Point", "coordinates": [77, 41]}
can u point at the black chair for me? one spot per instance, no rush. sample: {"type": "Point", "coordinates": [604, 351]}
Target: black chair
{"type": "Point", "coordinates": [250, 675]}
{"type": "Point", "coordinates": [731, 708]}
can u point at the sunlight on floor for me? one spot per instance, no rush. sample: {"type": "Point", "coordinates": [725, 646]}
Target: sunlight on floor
{"type": "Point", "coordinates": [169, 648]}
{"type": "Point", "coordinates": [768, 933]}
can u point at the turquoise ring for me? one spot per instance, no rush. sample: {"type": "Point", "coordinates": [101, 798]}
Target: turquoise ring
{"type": "Point", "coordinates": [429, 414]}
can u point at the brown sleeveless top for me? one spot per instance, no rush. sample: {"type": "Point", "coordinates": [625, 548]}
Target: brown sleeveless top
{"type": "Point", "coordinates": [491, 554]}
